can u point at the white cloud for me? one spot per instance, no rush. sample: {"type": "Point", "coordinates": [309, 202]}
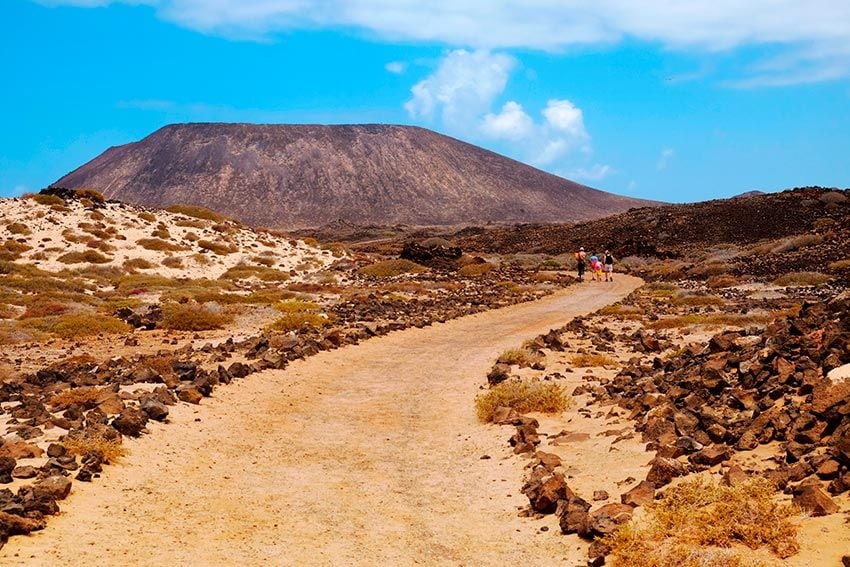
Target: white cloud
{"type": "Point", "coordinates": [815, 33]}
{"type": "Point", "coordinates": [461, 89]}
{"type": "Point", "coordinates": [396, 67]}
{"type": "Point", "coordinates": [512, 123]}
{"type": "Point", "coordinates": [596, 172]}
{"type": "Point", "coordinates": [664, 158]}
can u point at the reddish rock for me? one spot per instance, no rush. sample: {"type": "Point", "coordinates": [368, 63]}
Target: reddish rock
{"type": "Point", "coordinates": [640, 495]}
{"type": "Point", "coordinates": [828, 469]}
{"type": "Point", "coordinates": [11, 524]}
{"type": "Point", "coordinates": [663, 470]}
{"type": "Point", "coordinates": [130, 422]}
{"type": "Point", "coordinates": [813, 500]}
{"type": "Point", "coordinates": [606, 519]}
{"type": "Point", "coordinates": [504, 415]}
{"type": "Point", "coordinates": [20, 450]}
{"type": "Point", "coordinates": [189, 394]}
{"type": "Point", "coordinates": [57, 487]}
{"type": "Point", "coordinates": [734, 476]}
{"type": "Point", "coordinates": [710, 456]}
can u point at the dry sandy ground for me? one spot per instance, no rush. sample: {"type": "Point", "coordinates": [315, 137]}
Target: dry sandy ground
{"type": "Point", "coordinates": [361, 456]}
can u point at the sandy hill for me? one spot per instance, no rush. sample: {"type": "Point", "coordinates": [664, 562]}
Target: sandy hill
{"type": "Point", "coordinates": [54, 234]}
{"type": "Point", "coordinates": [296, 176]}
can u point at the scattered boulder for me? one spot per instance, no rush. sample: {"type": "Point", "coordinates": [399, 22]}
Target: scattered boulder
{"type": "Point", "coordinates": [131, 421]}
{"type": "Point", "coordinates": [812, 499]}
{"type": "Point", "coordinates": [640, 495]}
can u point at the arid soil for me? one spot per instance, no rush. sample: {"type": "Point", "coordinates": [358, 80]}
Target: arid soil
{"type": "Point", "coordinates": [362, 455]}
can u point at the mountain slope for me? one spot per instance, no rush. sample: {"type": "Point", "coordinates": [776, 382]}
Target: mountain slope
{"type": "Point", "coordinates": [307, 175]}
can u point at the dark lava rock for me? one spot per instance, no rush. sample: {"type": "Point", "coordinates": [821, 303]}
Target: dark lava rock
{"type": "Point", "coordinates": [155, 410]}
{"type": "Point", "coordinates": [130, 422]}
{"type": "Point", "coordinates": [499, 373]}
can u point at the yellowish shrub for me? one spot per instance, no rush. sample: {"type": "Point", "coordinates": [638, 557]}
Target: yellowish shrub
{"type": "Point", "coordinates": [197, 212]}
{"type": "Point", "coordinates": [593, 360]}
{"type": "Point", "coordinates": [159, 245]}
{"type": "Point", "coordinates": [698, 521]}
{"type": "Point", "coordinates": [471, 270]}
{"type": "Point", "coordinates": [698, 300]}
{"type": "Point", "coordinates": [137, 264]}
{"type": "Point", "coordinates": [84, 324]}
{"type": "Point", "coordinates": [294, 321]}
{"type": "Point", "coordinates": [18, 228]}
{"type": "Point", "coordinates": [192, 317]}
{"type": "Point", "coordinates": [111, 448]}
{"type": "Point", "coordinates": [840, 265]}
{"type": "Point", "coordinates": [262, 273]}
{"type": "Point", "coordinates": [147, 216]}
{"type": "Point", "coordinates": [523, 396]}
{"type": "Point", "coordinates": [519, 356]}
{"type": "Point", "coordinates": [802, 279]}
{"type": "Point", "coordinates": [84, 257]}
{"type": "Point", "coordinates": [91, 194]}
{"type": "Point", "coordinates": [391, 268]}
{"type": "Point", "coordinates": [47, 200]}
{"type": "Point", "coordinates": [85, 395]}
{"type": "Point", "coordinates": [220, 248]}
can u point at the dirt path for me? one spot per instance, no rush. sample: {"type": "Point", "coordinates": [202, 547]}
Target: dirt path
{"type": "Point", "coordinates": [361, 456]}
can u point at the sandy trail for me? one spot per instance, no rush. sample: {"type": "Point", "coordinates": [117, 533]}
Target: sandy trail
{"type": "Point", "coordinates": [361, 456]}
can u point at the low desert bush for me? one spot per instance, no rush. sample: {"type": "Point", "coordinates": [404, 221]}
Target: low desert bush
{"type": "Point", "coordinates": [310, 242]}
{"type": "Point", "coordinates": [146, 216]}
{"type": "Point", "coordinates": [191, 223]}
{"type": "Point", "coordinates": [101, 245]}
{"type": "Point", "coordinates": [593, 360]}
{"type": "Point", "coordinates": [797, 242]}
{"type": "Point", "coordinates": [137, 264]}
{"type": "Point", "coordinates": [84, 257]}
{"type": "Point", "coordinates": [630, 312]}
{"type": "Point", "coordinates": [709, 269]}
{"type": "Point", "coordinates": [146, 282]}
{"type": "Point", "coordinates": [840, 265]}
{"type": "Point", "coordinates": [18, 228]}
{"type": "Point", "coordinates": [294, 321]}
{"type": "Point", "coordinates": [85, 396]}
{"type": "Point", "coordinates": [338, 249]}
{"type": "Point", "coordinates": [45, 309]}
{"type": "Point", "coordinates": [172, 262]}
{"type": "Point", "coordinates": [719, 282]}
{"type": "Point", "coordinates": [91, 194]}
{"type": "Point", "coordinates": [159, 245]}
{"type": "Point", "coordinates": [192, 317]}
{"type": "Point", "coordinates": [267, 261]}
{"type": "Point", "coordinates": [12, 249]}
{"type": "Point", "coordinates": [262, 273]}
{"type": "Point", "coordinates": [712, 319]}
{"type": "Point", "coordinates": [47, 200]}
{"type": "Point", "coordinates": [297, 306]}
{"type": "Point", "coordinates": [220, 248]}
{"type": "Point", "coordinates": [697, 300]}
{"type": "Point", "coordinates": [523, 396]}
{"type": "Point", "coordinates": [802, 279]}
{"type": "Point", "coordinates": [85, 324]}
{"type": "Point", "coordinates": [109, 447]}
{"type": "Point", "coordinates": [697, 522]}
{"type": "Point", "coordinates": [518, 356]}
{"type": "Point", "coordinates": [391, 268]}
{"type": "Point", "coordinates": [472, 270]}
{"type": "Point", "coordinates": [197, 212]}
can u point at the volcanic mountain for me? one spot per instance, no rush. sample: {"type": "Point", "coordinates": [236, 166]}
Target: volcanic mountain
{"type": "Point", "coordinates": [295, 176]}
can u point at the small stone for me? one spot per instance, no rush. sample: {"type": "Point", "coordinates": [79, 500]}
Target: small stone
{"type": "Point", "coordinates": [640, 495]}
{"type": "Point", "coordinates": [56, 450]}
{"type": "Point", "coordinates": [813, 500]}
{"type": "Point", "coordinates": [26, 471]}
{"type": "Point", "coordinates": [57, 487]}
{"type": "Point", "coordinates": [189, 394]}
{"type": "Point", "coordinates": [599, 495]}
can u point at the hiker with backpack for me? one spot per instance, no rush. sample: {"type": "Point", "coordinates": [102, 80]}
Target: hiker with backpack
{"type": "Point", "coordinates": [609, 266]}
{"type": "Point", "coordinates": [580, 263]}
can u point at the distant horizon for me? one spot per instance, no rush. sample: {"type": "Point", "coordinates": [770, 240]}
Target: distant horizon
{"type": "Point", "coordinates": [674, 106]}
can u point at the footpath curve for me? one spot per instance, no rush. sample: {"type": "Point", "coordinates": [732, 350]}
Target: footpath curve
{"type": "Point", "coordinates": [365, 455]}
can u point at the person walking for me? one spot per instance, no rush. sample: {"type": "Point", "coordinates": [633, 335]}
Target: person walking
{"type": "Point", "coordinates": [609, 266]}
{"type": "Point", "coordinates": [580, 263]}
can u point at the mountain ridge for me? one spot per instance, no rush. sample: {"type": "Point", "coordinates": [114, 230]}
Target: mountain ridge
{"type": "Point", "coordinates": [306, 175]}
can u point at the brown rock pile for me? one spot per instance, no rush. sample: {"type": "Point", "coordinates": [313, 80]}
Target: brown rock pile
{"type": "Point", "coordinates": [747, 388]}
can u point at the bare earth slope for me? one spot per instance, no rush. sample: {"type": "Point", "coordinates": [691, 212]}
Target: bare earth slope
{"type": "Point", "coordinates": [361, 456]}
{"type": "Point", "coordinates": [295, 176]}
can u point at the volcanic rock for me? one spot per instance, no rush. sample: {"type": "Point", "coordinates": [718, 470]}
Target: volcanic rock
{"type": "Point", "coordinates": [812, 499]}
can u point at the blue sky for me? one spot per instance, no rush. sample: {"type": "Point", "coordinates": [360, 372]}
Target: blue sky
{"type": "Point", "coordinates": [662, 99]}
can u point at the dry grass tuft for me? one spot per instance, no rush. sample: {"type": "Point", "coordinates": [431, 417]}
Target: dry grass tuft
{"type": "Point", "coordinates": [593, 360]}
{"type": "Point", "coordinates": [523, 396]}
{"type": "Point", "coordinates": [697, 522]}
{"type": "Point", "coordinates": [111, 449]}
{"type": "Point", "coordinates": [472, 270]}
{"type": "Point", "coordinates": [698, 300]}
{"type": "Point", "coordinates": [391, 268]}
{"type": "Point", "coordinates": [519, 356]}
{"type": "Point", "coordinates": [197, 212]}
{"type": "Point", "coordinates": [192, 317]}
{"type": "Point", "coordinates": [731, 319]}
{"type": "Point", "coordinates": [86, 324]}
{"type": "Point", "coordinates": [802, 279]}
{"type": "Point", "coordinates": [47, 200]}
{"type": "Point", "coordinates": [297, 320]}
{"type": "Point", "coordinates": [18, 228]}
{"type": "Point", "coordinates": [262, 273]}
{"type": "Point", "coordinates": [631, 312]}
{"type": "Point", "coordinates": [220, 248]}
{"type": "Point", "coordinates": [159, 245]}
{"type": "Point", "coordinates": [718, 282]}
{"type": "Point", "coordinates": [84, 257]}
{"type": "Point", "coordinates": [137, 264]}
{"type": "Point", "coordinates": [85, 396]}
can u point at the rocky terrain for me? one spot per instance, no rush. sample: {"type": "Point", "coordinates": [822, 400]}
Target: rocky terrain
{"type": "Point", "coordinates": [95, 351]}
{"type": "Point", "coordinates": [295, 176]}
{"type": "Point", "coordinates": [764, 235]}
{"type": "Point", "coordinates": [732, 383]}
